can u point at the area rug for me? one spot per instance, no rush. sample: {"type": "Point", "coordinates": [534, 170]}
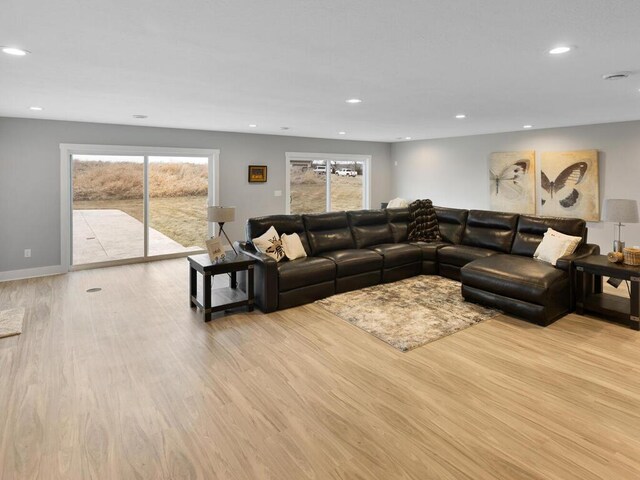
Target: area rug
{"type": "Point", "coordinates": [11, 322]}
{"type": "Point", "coordinates": [409, 313]}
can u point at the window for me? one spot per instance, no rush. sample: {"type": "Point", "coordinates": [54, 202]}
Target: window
{"type": "Point", "coordinates": [319, 182]}
{"type": "Point", "coordinates": [128, 204]}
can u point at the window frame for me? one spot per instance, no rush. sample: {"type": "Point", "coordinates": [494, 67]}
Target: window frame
{"type": "Point", "coordinates": [328, 157]}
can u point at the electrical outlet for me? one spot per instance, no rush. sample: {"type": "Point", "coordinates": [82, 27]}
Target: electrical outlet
{"type": "Point", "coordinates": [27, 253]}
{"type": "Point", "coordinates": [277, 193]}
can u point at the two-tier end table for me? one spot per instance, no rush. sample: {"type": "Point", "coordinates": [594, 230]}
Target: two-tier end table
{"type": "Point", "coordinates": [591, 298]}
{"type": "Point", "coordinates": [232, 264]}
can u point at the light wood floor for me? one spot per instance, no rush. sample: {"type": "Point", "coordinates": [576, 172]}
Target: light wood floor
{"type": "Point", "coordinates": [130, 383]}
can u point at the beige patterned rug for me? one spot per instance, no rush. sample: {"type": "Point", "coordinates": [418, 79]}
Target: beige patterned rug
{"type": "Point", "coordinates": [409, 313]}
{"type": "Point", "coordinates": [11, 322]}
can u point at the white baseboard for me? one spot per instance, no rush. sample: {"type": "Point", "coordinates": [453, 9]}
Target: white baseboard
{"type": "Point", "coordinates": [31, 273]}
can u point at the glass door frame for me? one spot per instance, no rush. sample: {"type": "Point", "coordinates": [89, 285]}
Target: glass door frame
{"type": "Point", "coordinates": [328, 158]}
{"type": "Point", "coordinates": [67, 151]}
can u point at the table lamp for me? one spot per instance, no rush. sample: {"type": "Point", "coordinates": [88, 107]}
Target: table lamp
{"type": "Point", "coordinates": [618, 211]}
{"type": "Point", "coordinates": [222, 215]}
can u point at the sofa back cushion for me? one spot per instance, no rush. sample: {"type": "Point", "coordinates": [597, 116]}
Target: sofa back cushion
{"type": "Point", "coordinates": [531, 229]}
{"type": "Point", "coordinates": [328, 231]}
{"type": "Point", "coordinates": [399, 219]}
{"type": "Point", "coordinates": [282, 223]}
{"type": "Point", "coordinates": [492, 230]}
{"type": "Point", "coordinates": [369, 227]}
{"type": "Point", "coordinates": [451, 223]}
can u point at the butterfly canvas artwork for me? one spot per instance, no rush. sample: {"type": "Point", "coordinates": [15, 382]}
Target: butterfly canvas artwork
{"type": "Point", "coordinates": [512, 181]}
{"type": "Point", "coordinates": [569, 185]}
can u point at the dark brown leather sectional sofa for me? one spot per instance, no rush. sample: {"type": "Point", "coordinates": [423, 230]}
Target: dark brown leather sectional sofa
{"type": "Point", "coordinates": [490, 253]}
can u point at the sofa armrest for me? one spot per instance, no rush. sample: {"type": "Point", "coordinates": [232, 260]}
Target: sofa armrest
{"type": "Point", "coordinates": [249, 250]}
{"type": "Point", "coordinates": [245, 247]}
{"type": "Point", "coordinates": [265, 277]}
{"type": "Point", "coordinates": [583, 250]}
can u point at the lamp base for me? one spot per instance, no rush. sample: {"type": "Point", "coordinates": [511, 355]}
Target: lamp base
{"type": "Point", "coordinates": [618, 246]}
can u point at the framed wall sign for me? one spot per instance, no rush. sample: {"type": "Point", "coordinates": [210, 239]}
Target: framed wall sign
{"type": "Point", "coordinates": [257, 173]}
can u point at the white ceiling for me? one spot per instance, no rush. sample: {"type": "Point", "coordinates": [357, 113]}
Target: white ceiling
{"type": "Point", "coordinates": [223, 64]}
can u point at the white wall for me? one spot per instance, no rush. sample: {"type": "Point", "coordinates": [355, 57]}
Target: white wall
{"type": "Point", "coordinates": [454, 171]}
{"type": "Point", "coordinates": [30, 176]}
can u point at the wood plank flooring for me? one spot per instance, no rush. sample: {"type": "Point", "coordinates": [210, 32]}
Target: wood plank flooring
{"type": "Point", "coordinates": [129, 383]}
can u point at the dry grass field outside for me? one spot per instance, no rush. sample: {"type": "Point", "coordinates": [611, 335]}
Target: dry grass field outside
{"type": "Point", "coordinates": [309, 192]}
{"type": "Point", "coordinates": [124, 180]}
{"type": "Point", "coordinates": [177, 191]}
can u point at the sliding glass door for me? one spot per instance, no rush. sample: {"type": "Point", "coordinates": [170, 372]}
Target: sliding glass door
{"type": "Point", "coordinates": [126, 208]}
{"type": "Point", "coordinates": [178, 191]}
{"type": "Point", "coordinates": [108, 208]}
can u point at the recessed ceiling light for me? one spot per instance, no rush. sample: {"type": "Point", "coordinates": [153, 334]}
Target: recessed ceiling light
{"type": "Point", "coordinates": [560, 50]}
{"type": "Point", "coordinates": [342, 133]}
{"type": "Point", "coordinates": [252, 125]}
{"type": "Point", "coordinates": [140, 117]}
{"type": "Point", "coordinates": [461, 116]}
{"type": "Point", "coordinates": [407, 138]}
{"type": "Point", "coordinates": [16, 52]}
{"type": "Point", "coordinates": [527, 126]}
{"type": "Point", "coordinates": [353, 100]}
{"type": "Point", "coordinates": [36, 109]}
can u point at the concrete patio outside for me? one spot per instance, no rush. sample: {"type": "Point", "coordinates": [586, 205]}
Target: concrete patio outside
{"type": "Point", "coordinates": [104, 235]}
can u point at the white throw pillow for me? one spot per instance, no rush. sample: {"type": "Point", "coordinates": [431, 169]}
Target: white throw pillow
{"type": "Point", "coordinates": [573, 241]}
{"type": "Point", "coordinates": [555, 245]}
{"type": "Point", "coordinates": [293, 246]}
{"type": "Point", "coordinates": [551, 248]}
{"type": "Point", "coordinates": [270, 244]}
{"type": "Point", "coordinates": [398, 203]}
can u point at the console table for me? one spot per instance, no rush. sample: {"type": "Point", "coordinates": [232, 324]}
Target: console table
{"type": "Point", "coordinates": [591, 298]}
{"type": "Point", "coordinates": [232, 264]}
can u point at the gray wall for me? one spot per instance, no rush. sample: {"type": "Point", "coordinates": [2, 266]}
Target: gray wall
{"type": "Point", "coordinates": [450, 171]}
{"type": "Point", "coordinates": [30, 175]}
{"type": "Point", "coordinates": [454, 171]}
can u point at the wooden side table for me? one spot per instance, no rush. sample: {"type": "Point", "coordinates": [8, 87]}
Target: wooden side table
{"type": "Point", "coordinates": [591, 298]}
{"type": "Point", "coordinates": [232, 264]}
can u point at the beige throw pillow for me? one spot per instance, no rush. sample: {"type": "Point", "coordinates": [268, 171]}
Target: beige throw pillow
{"type": "Point", "coordinates": [573, 241]}
{"type": "Point", "coordinates": [270, 244]}
{"type": "Point", "coordinates": [551, 249]}
{"type": "Point", "coordinates": [293, 247]}
{"type": "Point", "coordinates": [555, 245]}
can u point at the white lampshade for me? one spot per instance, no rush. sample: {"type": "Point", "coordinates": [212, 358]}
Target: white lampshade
{"type": "Point", "coordinates": [620, 211]}
{"type": "Point", "coordinates": [221, 214]}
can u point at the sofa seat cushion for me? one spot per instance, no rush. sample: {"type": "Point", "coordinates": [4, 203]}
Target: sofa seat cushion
{"type": "Point", "coordinates": [430, 249]}
{"type": "Point", "coordinates": [460, 255]}
{"type": "Point", "coordinates": [354, 261]}
{"type": "Point", "coordinates": [303, 272]}
{"type": "Point", "coordinates": [516, 277]}
{"type": "Point", "coordinates": [396, 254]}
